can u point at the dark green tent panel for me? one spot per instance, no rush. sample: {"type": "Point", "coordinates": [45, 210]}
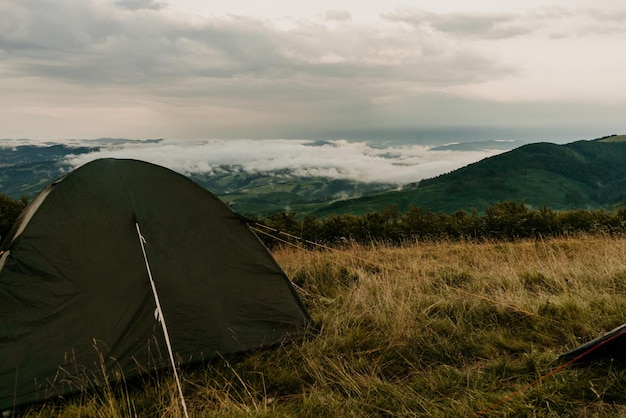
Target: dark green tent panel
{"type": "Point", "coordinates": [75, 297]}
{"type": "Point", "coordinates": [609, 346]}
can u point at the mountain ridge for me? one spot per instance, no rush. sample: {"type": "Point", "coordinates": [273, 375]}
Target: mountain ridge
{"type": "Point", "coordinates": [577, 175]}
{"type": "Point", "coordinates": [586, 174]}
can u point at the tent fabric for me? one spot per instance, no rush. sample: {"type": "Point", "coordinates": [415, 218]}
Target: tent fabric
{"type": "Point", "coordinates": [607, 347]}
{"type": "Point", "coordinates": [76, 306]}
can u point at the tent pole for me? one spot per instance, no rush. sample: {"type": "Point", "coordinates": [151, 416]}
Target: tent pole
{"type": "Point", "coordinates": [161, 319]}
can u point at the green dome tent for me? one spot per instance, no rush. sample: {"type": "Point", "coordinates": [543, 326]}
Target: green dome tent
{"type": "Point", "coordinates": [103, 258]}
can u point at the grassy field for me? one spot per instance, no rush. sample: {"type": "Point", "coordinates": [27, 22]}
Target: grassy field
{"type": "Point", "coordinates": [426, 329]}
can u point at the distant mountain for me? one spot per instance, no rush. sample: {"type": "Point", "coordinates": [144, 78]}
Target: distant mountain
{"type": "Point", "coordinates": [579, 175]}
{"type": "Point", "coordinates": [473, 146]}
{"type": "Point", "coordinates": [26, 169]}
{"type": "Point", "coordinates": [263, 193]}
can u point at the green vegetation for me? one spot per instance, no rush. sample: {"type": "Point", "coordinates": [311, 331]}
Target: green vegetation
{"type": "Point", "coordinates": [504, 221]}
{"type": "Point", "coordinates": [26, 169]}
{"type": "Point", "coordinates": [580, 175]}
{"type": "Point", "coordinates": [9, 211]}
{"type": "Point", "coordinates": [613, 138]}
{"type": "Point", "coordinates": [433, 329]}
{"type": "Point", "coordinates": [265, 193]}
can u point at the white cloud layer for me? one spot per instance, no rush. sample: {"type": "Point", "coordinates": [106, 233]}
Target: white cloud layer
{"type": "Point", "coordinates": [333, 159]}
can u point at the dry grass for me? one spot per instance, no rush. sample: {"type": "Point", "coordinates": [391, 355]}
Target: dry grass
{"type": "Point", "coordinates": [429, 329]}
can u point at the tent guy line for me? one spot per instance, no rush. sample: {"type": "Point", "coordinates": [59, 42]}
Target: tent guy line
{"type": "Point", "coordinates": [161, 319]}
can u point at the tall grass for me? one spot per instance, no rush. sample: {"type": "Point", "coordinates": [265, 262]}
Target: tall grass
{"type": "Point", "coordinates": [428, 329]}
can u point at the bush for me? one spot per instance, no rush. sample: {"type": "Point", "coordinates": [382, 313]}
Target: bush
{"type": "Point", "coordinates": [9, 211]}
{"type": "Point", "coordinates": [504, 221]}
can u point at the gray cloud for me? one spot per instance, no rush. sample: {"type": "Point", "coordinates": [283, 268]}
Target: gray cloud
{"type": "Point", "coordinates": [338, 15]}
{"type": "Point", "coordinates": [484, 25]}
{"type": "Point", "coordinates": [83, 41]}
{"type": "Point", "coordinates": [231, 76]}
{"type": "Point", "coordinates": [139, 4]}
{"type": "Point", "coordinates": [141, 68]}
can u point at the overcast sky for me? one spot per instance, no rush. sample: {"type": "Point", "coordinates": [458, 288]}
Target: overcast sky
{"type": "Point", "coordinates": [356, 69]}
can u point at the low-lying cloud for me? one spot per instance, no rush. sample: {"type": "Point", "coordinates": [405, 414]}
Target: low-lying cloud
{"type": "Point", "coordinates": [338, 159]}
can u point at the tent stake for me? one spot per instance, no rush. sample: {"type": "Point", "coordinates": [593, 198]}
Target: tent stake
{"type": "Point", "coordinates": [161, 319]}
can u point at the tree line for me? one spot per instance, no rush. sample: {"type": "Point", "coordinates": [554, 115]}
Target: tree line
{"type": "Point", "coordinates": [507, 220]}
{"type": "Point", "coordinates": [9, 211]}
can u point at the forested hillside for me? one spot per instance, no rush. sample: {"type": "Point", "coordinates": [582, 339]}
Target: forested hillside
{"type": "Point", "coordinates": [579, 175]}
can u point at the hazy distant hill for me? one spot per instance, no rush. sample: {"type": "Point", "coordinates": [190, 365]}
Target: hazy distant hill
{"type": "Point", "coordinates": [583, 174]}
{"type": "Point", "coordinates": [26, 169]}
{"type": "Point", "coordinates": [264, 193]}
{"type": "Point", "coordinates": [579, 175]}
